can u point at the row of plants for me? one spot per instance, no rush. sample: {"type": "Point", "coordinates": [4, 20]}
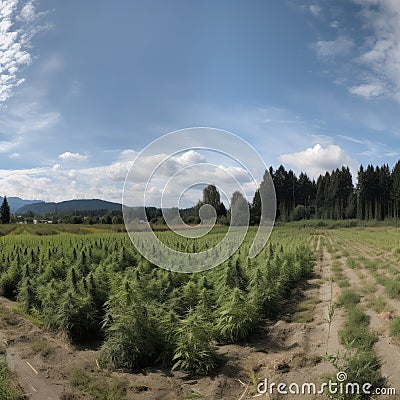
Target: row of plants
{"type": "Point", "coordinates": [97, 287]}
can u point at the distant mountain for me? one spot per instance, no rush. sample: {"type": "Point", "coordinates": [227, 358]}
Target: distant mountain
{"type": "Point", "coordinates": [69, 205]}
{"type": "Point", "coordinates": [16, 202]}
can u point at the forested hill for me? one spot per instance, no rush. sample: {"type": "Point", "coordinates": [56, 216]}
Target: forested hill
{"type": "Point", "coordinates": [76, 205]}
{"type": "Point", "coordinates": [16, 203]}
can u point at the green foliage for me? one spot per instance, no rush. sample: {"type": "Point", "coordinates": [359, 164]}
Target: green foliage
{"type": "Point", "coordinates": [392, 288]}
{"type": "Point", "coordinates": [351, 263]}
{"type": "Point", "coordinates": [5, 213]}
{"type": "Point", "coordinates": [348, 298]}
{"type": "Point", "coordinates": [7, 390]}
{"type": "Point", "coordinates": [193, 351]}
{"type": "Point", "coordinates": [305, 312]}
{"type": "Point", "coordinates": [299, 213]}
{"type": "Point", "coordinates": [96, 286]}
{"type": "Point", "coordinates": [131, 332]}
{"type": "Point", "coordinates": [356, 331]}
{"type": "Point", "coordinates": [235, 318]}
{"type": "Point", "coordinates": [77, 317]}
{"type": "Point", "coordinates": [361, 367]}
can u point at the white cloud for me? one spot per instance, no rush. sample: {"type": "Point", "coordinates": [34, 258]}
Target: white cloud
{"type": "Point", "coordinates": [28, 12]}
{"type": "Point", "coordinates": [72, 157]}
{"type": "Point", "coordinates": [18, 25]}
{"type": "Point", "coordinates": [381, 52]}
{"type": "Point", "coordinates": [317, 160]}
{"type": "Point", "coordinates": [368, 90]}
{"type": "Point", "coordinates": [315, 10]}
{"type": "Point", "coordinates": [238, 173]}
{"type": "Point", "coordinates": [128, 155]}
{"type": "Point", "coordinates": [14, 155]}
{"type": "Point", "coordinates": [333, 48]}
{"type": "Point", "coordinates": [6, 146]}
{"type": "Point", "coordinates": [190, 157]}
{"type": "Point", "coordinates": [24, 118]}
{"type": "Point", "coordinates": [371, 149]}
{"type": "Point", "coordinates": [334, 24]}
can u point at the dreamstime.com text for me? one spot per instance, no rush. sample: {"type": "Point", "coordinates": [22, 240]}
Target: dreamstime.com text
{"type": "Point", "coordinates": [340, 386]}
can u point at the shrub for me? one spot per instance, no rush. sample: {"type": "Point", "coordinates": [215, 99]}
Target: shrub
{"type": "Point", "coordinates": [131, 337]}
{"type": "Point", "coordinates": [299, 213]}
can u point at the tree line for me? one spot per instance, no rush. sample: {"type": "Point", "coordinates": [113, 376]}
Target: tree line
{"type": "Point", "coordinates": [376, 195]}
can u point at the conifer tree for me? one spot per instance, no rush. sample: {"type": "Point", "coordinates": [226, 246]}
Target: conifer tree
{"type": "Point", "coordinates": [5, 213]}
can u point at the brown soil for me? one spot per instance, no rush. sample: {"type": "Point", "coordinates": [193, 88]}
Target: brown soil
{"type": "Point", "coordinates": [387, 350]}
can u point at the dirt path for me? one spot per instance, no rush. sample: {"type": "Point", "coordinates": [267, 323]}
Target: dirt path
{"type": "Point", "coordinates": [385, 348]}
{"type": "Point", "coordinates": [35, 383]}
{"type": "Point", "coordinates": [295, 350]}
{"type": "Point", "coordinates": [36, 375]}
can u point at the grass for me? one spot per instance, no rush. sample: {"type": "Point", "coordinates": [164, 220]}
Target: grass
{"type": "Point", "coordinates": [100, 388]}
{"type": "Point", "coordinates": [395, 328]}
{"type": "Point", "coordinates": [369, 288]}
{"type": "Point", "coordinates": [377, 304]}
{"type": "Point", "coordinates": [305, 311]}
{"type": "Point", "coordinates": [364, 367]}
{"type": "Point", "coordinates": [303, 317]}
{"type": "Point", "coordinates": [8, 391]}
{"type": "Point", "coordinates": [34, 319]}
{"type": "Point", "coordinates": [392, 288]}
{"type": "Point", "coordinates": [348, 299]}
{"type": "Point", "coordinates": [393, 270]}
{"type": "Point", "coordinates": [336, 267]}
{"type": "Point", "coordinates": [359, 361]}
{"type": "Point", "coordinates": [371, 266]}
{"type": "Point", "coordinates": [382, 280]}
{"type": "Point", "coordinates": [43, 347]}
{"type": "Point", "coordinates": [356, 333]}
{"type": "Point", "coordinates": [351, 263]}
{"type": "Point", "coordinates": [338, 275]}
{"type": "Point", "coordinates": [7, 317]}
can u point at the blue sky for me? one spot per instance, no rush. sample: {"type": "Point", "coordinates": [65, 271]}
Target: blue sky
{"type": "Point", "coordinates": [86, 85]}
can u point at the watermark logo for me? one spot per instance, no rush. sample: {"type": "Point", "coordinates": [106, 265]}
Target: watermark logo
{"type": "Point", "coordinates": [338, 387]}
{"type": "Point", "coordinates": [171, 172]}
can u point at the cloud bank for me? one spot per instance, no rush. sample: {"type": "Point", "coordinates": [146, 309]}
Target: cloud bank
{"type": "Point", "coordinates": [317, 160]}
{"type": "Point", "coordinates": [62, 182]}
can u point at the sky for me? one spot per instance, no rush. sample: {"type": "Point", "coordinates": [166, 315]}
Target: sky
{"type": "Point", "coordinates": [85, 86]}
